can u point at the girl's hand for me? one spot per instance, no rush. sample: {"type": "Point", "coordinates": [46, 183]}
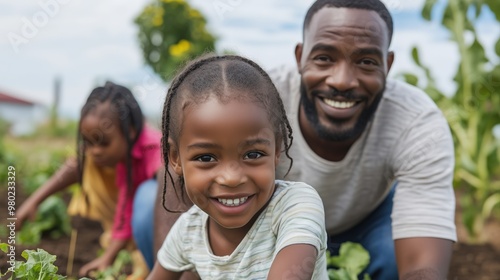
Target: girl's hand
{"type": "Point", "coordinates": [27, 211]}
{"type": "Point", "coordinates": [100, 264]}
{"type": "Point", "coordinates": [64, 177]}
{"type": "Point", "coordinates": [107, 258]}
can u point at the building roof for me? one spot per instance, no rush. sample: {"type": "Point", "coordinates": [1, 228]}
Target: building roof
{"type": "Point", "coordinates": [5, 98]}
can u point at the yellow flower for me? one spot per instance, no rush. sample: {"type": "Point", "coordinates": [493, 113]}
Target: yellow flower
{"type": "Point", "coordinates": [158, 17]}
{"type": "Point", "coordinates": [180, 48]}
{"type": "Point", "coordinates": [194, 13]}
{"type": "Point", "coordinates": [157, 21]}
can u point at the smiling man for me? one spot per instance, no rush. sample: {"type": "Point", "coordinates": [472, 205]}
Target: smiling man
{"type": "Point", "coordinates": [378, 151]}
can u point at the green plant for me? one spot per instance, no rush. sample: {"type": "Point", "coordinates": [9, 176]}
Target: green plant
{"type": "Point", "coordinates": [51, 218]}
{"type": "Point", "coordinates": [472, 111]}
{"type": "Point", "coordinates": [37, 176]}
{"type": "Point", "coordinates": [115, 272]}
{"type": "Point", "coordinates": [38, 265]}
{"type": "Point", "coordinates": [6, 157]}
{"type": "Point", "coordinates": [350, 262]}
{"type": "Point", "coordinates": [59, 129]}
{"type": "Point", "coordinates": [170, 33]}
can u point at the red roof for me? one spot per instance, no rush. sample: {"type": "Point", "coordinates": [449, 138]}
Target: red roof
{"type": "Point", "coordinates": [5, 98]}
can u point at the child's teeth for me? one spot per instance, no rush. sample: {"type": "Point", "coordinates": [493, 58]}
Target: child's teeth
{"type": "Point", "coordinates": [233, 202]}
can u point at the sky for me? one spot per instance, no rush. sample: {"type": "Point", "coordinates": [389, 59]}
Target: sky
{"type": "Point", "coordinates": [85, 43]}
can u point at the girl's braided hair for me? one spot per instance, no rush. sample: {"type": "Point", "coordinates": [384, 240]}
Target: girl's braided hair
{"type": "Point", "coordinates": [227, 78]}
{"type": "Point", "coordinates": [125, 107]}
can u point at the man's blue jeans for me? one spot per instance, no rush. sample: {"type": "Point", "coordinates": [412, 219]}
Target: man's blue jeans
{"type": "Point", "coordinates": [375, 234]}
{"type": "Point", "coordinates": [142, 219]}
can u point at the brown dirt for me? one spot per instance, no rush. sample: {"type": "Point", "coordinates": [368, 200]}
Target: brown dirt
{"type": "Point", "coordinates": [87, 241]}
{"type": "Point", "coordinates": [478, 262]}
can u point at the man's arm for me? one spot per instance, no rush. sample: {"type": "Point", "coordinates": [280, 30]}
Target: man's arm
{"type": "Point", "coordinates": [423, 213]}
{"type": "Point", "coordinates": [423, 258]}
{"type": "Point", "coordinates": [164, 220]}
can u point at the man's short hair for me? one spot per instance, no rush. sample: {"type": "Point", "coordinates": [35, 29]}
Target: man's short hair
{"type": "Point", "coordinates": [371, 5]}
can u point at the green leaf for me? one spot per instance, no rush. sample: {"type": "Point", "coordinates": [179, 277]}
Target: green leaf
{"type": "Point", "coordinates": [51, 217]}
{"type": "Point", "coordinates": [489, 204]}
{"type": "Point", "coordinates": [353, 257]}
{"type": "Point", "coordinates": [427, 10]}
{"type": "Point", "coordinates": [4, 247]}
{"type": "Point", "coordinates": [448, 19]}
{"type": "Point", "coordinates": [415, 55]}
{"type": "Point", "coordinates": [497, 47]}
{"type": "Point", "coordinates": [339, 274]}
{"type": "Point", "coordinates": [477, 7]}
{"type": "Point", "coordinates": [478, 55]}
{"type": "Point", "coordinates": [494, 6]}
{"type": "Point", "coordinates": [20, 270]}
{"type": "Point", "coordinates": [411, 79]}
{"type": "Point", "coordinates": [38, 265]}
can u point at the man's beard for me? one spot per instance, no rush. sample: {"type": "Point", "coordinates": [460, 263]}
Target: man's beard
{"type": "Point", "coordinates": [338, 135]}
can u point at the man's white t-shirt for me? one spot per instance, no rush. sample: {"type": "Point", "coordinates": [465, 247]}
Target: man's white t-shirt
{"type": "Point", "coordinates": [408, 141]}
{"type": "Point", "coordinates": [294, 215]}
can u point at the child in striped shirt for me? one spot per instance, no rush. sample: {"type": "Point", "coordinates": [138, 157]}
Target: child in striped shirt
{"type": "Point", "coordinates": [224, 129]}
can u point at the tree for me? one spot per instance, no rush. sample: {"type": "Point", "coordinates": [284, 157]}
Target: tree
{"type": "Point", "coordinates": [170, 33]}
{"type": "Point", "coordinates": [472, 111]}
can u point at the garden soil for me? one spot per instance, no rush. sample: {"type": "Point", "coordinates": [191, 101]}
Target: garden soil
{"type": "Point", "coordinates": [477, 262]}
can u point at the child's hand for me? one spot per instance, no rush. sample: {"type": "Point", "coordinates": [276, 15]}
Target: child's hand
{"type": "Point", "coordinates": [27, 211]}
{"type": "Point", "coordinates": [100, 264]}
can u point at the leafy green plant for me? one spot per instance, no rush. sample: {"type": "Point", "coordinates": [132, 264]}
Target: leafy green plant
{"type": "Point", "coordinates": [115, 272]}
{"type": "Point", "coordinates": [6, 157]}
{"type": "Point", "coordinates": [59, 129]}
{"type": "Point", "coordinates": [170, 33]}
{"type": "Point", "coordinates": [38, 265]}
{"type": "Point", "coordinates": [51, 218]}
{"type": "Point", "coordinates": [350, 262]}
{"type": "Point", "coordinates": [472, 111]}
{"type": "Point", "coordinates": [4, 127]}
{"type": "Point", "coordinates": [37, 177]}
{"type": "Point", "coordinates": [6, 160]}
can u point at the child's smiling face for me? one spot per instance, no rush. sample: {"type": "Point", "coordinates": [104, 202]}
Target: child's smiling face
{"type": "Point", "coordinates": [227, 154]}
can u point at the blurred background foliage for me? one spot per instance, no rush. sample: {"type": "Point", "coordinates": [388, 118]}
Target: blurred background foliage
{"type": "Point", "coordinates": [171, 32]}
{"type": "Point", "coordinates": [36, 158]}
{"type": "Point", "coordinates": [472, 111]}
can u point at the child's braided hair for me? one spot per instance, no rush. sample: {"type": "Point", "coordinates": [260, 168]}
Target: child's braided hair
{"type": "Point", "coordinates": [129, 115]}
{"type": "Point", "coordinates": [227, 77]}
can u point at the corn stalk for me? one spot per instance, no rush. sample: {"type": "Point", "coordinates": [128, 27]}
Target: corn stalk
{"type": "Point", "coordinates": [472, 111]}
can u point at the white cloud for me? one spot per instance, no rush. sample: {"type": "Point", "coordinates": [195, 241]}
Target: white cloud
{"type": "Point", "coordinates": [403, 5]}
{"type": "Point", "coordinates": [440, 55]}
{"type": "Point", "coordinates": [87, 43]}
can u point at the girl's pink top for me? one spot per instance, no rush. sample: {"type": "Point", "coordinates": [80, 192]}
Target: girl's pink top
{"type": "Point", "coordinates": [146, 161]}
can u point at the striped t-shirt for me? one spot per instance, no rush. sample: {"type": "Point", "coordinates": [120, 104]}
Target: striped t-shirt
{"type": "Point", "coordinates": [293, 216]}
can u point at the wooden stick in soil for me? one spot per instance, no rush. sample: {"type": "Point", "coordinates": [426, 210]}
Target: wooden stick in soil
{"type": "Point", "coordinates": [71, 254]}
